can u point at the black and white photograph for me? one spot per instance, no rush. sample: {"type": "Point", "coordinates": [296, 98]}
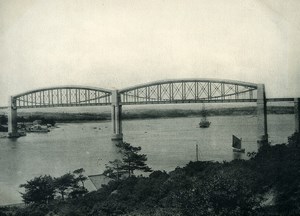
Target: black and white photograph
{"type": "Point", "coordinates": [149, 107]}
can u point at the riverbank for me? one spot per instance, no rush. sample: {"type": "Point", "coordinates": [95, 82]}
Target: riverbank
{"type": "Point", "coordinates": [168, 143]}
{"type": "Point", "coordinates": [267, 184]}
{"type": "Point", "coordinates": [147, 114]}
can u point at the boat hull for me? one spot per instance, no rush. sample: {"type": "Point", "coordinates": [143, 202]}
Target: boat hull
{"type": "Point", "coordinates": [238, 150]}
{"type": "Point", "coordinates": [204, 124]}
{"type": "Point", "coordinates": [38, 131]}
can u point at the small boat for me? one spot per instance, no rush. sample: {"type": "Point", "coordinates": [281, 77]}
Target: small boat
{"type": "Point", "coordinates": [204, 123]}
{"type": "Point", "coordinates": [237, 145]}
{"type": "Point", "coordinates": [38, 129]}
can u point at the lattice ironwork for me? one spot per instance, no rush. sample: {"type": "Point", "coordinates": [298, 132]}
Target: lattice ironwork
{"type": "Point", "coordinates": [63, 96]}
{"type": "Point", "coordinates": [168, 91]}
{"type": "Point", "coordinates": [189, 91]}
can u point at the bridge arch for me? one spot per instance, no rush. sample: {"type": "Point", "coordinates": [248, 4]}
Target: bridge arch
{"type": "Point", "coordinates": [189, 91]}
{"type": "Point", "coordinates": [63, 96]}
{"type": "Point", "coordinates": [59, 96]}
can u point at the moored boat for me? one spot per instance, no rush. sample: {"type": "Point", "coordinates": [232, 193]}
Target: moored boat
{"type": "Point", "coordinates": [204, 123]}
{"type": "Point", "coordinates": [38, 129]}
{"type": "Point", "coordinates": [237, 145]}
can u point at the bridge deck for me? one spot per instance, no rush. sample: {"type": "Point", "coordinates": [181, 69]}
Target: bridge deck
{"type": "Point", "coordinates": [280, 99]}
{"type": "Point", "coordinates": [180, 101]}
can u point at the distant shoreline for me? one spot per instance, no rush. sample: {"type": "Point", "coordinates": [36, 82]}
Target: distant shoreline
{"type": "Point", "coordinates": [63, 117]}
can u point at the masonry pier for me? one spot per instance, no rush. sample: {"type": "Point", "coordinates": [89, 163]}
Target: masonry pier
{"type": "Point", "coordinates": [297, 114]}
{"type": "Point", "coordinates": [12, 118]}
{"type": "Point", "coordinates": [116, 118]}
{"type": "Point", "coordinates": [262, 126]}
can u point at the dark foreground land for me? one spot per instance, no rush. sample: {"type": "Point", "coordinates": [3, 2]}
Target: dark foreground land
{"type": "Point", "coordinates": [267, 184]}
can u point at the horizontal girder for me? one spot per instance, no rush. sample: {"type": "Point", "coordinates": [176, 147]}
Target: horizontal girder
{"type": "Point", "coordinates": [191, 101]}
{"type": "Point", "coordinates": [63, 96]}
{"type": "Point", "coordinates": [189, 91]}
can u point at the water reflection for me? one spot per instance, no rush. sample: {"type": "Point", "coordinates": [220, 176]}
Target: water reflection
{"type": "Point", "coordinates": [13, 143]}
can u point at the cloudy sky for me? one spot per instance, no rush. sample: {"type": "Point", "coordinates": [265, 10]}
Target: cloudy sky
{"type": "Point", "coordinates": [119, 43]}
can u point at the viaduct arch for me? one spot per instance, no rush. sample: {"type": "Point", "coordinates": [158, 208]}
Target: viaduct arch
{"type": "Point", "coordinates": [159, 92]}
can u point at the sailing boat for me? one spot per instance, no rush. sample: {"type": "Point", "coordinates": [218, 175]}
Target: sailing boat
{"type": "Point", "coordinates": [204, 123]}
{"type": "Point", "coordinates": [237, 145]}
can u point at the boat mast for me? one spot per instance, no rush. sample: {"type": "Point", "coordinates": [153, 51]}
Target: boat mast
{"type": "Point", "coordinates": [197, 153]}
{"type": "Point", "coordinates": [203, 111]}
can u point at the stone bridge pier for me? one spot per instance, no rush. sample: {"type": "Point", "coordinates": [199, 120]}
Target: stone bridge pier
{"type": "Point", "coordinates": [12, 118]}
{"type": "Point", "coordinates": [261, 110]}
{"type": "Point", "coordinates": [116, 117]}
{"type": "Point", "coordinates": [297, 114]}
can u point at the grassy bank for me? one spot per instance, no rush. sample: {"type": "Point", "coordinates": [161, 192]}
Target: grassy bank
{"type": "Point", "coordinates": [147, 114]}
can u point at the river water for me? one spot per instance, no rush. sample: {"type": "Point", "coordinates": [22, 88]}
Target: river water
{"type": "Point", "coordinates": [168, 143]}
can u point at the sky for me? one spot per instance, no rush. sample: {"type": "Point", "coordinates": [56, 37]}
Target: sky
{"type": "Point", "coordinates": [119, 43]}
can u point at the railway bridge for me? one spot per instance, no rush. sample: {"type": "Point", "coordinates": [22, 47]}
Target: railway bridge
{"type": "Point", "coordinates": [159, 92]}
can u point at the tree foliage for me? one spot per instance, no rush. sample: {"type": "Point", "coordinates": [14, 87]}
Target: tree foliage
{"type": "Point", "coordinates": [131, 161]}
{"type": "Point", "coordinates": [115, 169]}
{"type": "Point", "coordinates": [79, 177]}
{"type": "Point", "coordinates": [64, 184]}
{"type": "Point", "coordinates": [43, 189]}
{"type": "Point", "coordinates": [39, 190]}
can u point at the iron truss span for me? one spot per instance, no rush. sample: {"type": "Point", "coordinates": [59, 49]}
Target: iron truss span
{"type": "Point", "coordinates": [63, 96]}
{"type": "Point", "coordinates": [159, 92]}
{"type": "Point", "coordinates": [189, 91]}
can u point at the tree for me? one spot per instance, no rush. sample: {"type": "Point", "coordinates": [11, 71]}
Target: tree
{"type": "Point", "coordinates": [38, 190]}
{"type": "Point", "coordinates": [64, 184]}
{"type": "Point", "coordinates": [114, 170]}
{"type": "Point", "coordinates": [294, 140]}
{"type": "Point", "coordinates": [79, 176]}
{"type": "Point", "coordinates": [132, 160]}
{"type": "Point", "coordinates": [78, 190]}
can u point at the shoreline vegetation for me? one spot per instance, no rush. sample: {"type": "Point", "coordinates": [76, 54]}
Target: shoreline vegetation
{"type": "Point", "coordinates": [63, 117]}
{"type": "Point", "coordinates": [266, 184]}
